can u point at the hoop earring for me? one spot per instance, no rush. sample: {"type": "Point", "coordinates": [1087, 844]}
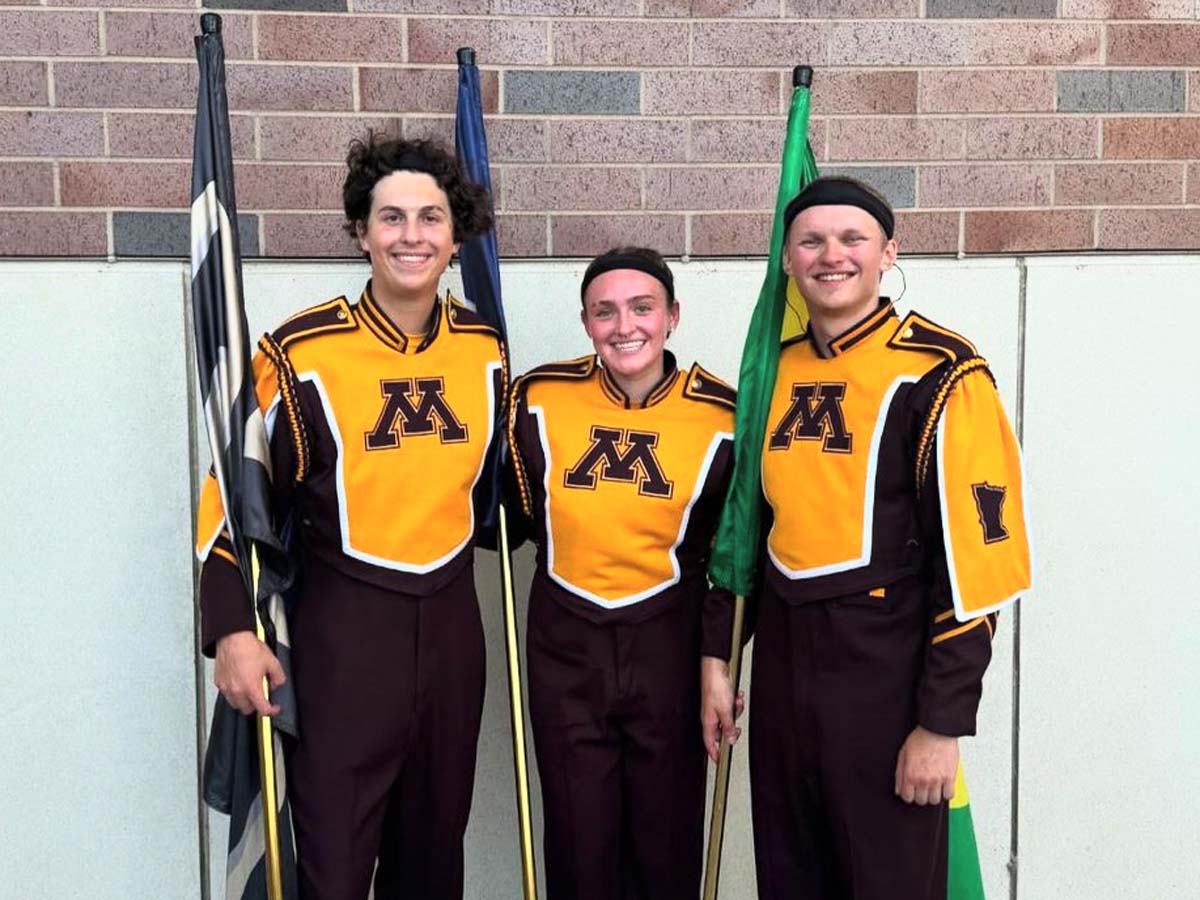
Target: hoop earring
{"type": "Point", "coordinates": [903, 282]}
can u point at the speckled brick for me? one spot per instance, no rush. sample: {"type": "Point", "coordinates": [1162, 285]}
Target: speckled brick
{"type": "Point", "coordinates": [496, 41]}
{"type": "Point", "coordinates": [124, 4]}
{"type": "Point", "coordinates": [169, 234]}
{"type": "Point", "coordinates": [987, 91]}
{"type": "Point", "coordinates": [170, 35]}
{"type": "Point", "coordinates": [23, 83]}
{"type": "Point", "coordinates": [1174, 44]}
{"type": "Point", "coordinates": [1193, 183]}
{"type": "Point", "coordinates": [571, 93]}
{"type": "Point", "coordinates": [1150, 229]}
{"type": "Point", "coordinates": [736, 234]}
{"type": "Point", "coordinates": [1033, 138]}
{"type": "Point", "coordinates": [990, 9]}
{"type": "Point", "coordinates": [701, 188]}
{"type": "Point", "coordinates": [299, 88]}
{"type": "Point", "coordinates": [993, 231]}
{"type": "Point", "coordinates": [438, 7]}
{"type": "Point", "coordinates": [741, 140]}
{"type": "Point", "coordinates": [1151, 137]}
{"type": "Point", "coordinates": [597, 8]}
{"type": "Point", "coordinates": [26, 184]}
{"type": "Point", "coordinates": [1033, 43]}
{"type": "Point", "coordinates": [46, 33]}
{"type": "Point", "coordinates": [589, 235]}
{"type": "Point", "coordinates": [126, 184]}
{"type": "Point", "coordinates": [330, 38]}
{"type": "Point", "coordinates": [53, 234]}
{"type": "Point", "coordinates": [169, 135]}
{"type": "Point", "coordinates": [1127, 9]}
{"type": "Point", "coordinates": [44, 133]}
{"type": "Point", "coordinates": [318, 138]}
{"type": "Point", "coordinates": [1117, 184]}
{"type": "Point", "coordinates": [419, 90]}
{"type": "Point", "coordinates": [962, 43]}
{"type": "Point", "coordinates": [598, 43]}
{"type": "Point", "coordinates": [927, 232]}
{"type": "Point", "coordinates": [713, 9]}
{"type": "Point", "coordinates": [281, 5]}
{"type": "Point", "coordinates": [124, 85]}
{"type": "Point", "coordinates": [307, 235]}
{"type": "Point", "coordinates": [758, 43]}
{"type": "Point", "coordinates": [894, 138]}
{"type": "Point", "coordinates": [853, 9]}
{"type": "Point", "coordinates": [711, 93]}
{"type": "Point", "coordinates": [509, 139]}
{"type": "Point", "coordinates": [984, 185]}
{"type": "Point", "coordinates": [569, 187]}
{"type": "Point", "coordinates": [1121, 90]}
{"type": "Point", "coordinates": [869, 92]}
{"type": "Point", "coordinates": [277, 187]}
{"type": "Point", "coordinates": [897, 183]}
{"type": "Point", "coordinates": [521, 236]}
{"type": "Point", "coordinates": [618, 140]}
{"type": "Point", "coordinates": [1194, 92]}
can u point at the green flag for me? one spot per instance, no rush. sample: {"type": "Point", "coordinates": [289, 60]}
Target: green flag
{"type": "Point", "coordinates": [964, 880]}
{"type": "Point", "coordinates": [736, 547]}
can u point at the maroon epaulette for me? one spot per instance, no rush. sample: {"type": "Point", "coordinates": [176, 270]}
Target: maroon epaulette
{"type": "Point", "coordinates": [462, 318]}
{"type": "Point", "coordinates": [918, 333]}
{"type": "Point", "coordinates": [706, 387]}
{"type": "Point", "coordinates": [332, 315]}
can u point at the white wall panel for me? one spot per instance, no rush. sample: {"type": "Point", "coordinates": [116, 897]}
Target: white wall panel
{"type": "Point", "coordinates": [1110, 685]}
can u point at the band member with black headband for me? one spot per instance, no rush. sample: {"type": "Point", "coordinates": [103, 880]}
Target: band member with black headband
{"type": "Point", "coordinates": [622, 462]}
{"type": "Point", "coordinates": [380, 415]}
{"type": "Point", "coordinates": [898, 532]}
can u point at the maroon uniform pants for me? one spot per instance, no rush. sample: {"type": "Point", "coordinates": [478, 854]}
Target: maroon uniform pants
{"type": "Point", "coordinates": [616, 723]}
{"type": "Point", "coordinates": [390, 693]}
{"type": "Point", "coordinates": [833, 698]}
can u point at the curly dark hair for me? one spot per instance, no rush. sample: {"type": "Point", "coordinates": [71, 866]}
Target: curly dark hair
{"type": "Point", "coordinates": [379, 155]}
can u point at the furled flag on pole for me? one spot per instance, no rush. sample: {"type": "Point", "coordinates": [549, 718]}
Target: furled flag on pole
{"type": "Point", "coordinates": [964, 879]}
{"type": "Point", "coordinates": [241, 469]}
{"type": "Point", "coordinates": [735, 551]}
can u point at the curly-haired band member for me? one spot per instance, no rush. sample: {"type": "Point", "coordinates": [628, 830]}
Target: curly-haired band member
{"type": "Point", "coordinates": [380, 413]}
{"type": "Point", "coordinates": [622, 462]}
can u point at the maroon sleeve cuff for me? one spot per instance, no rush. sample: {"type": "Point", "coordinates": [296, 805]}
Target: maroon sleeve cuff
{"type": "Point", "coordinates": [717, 624]}
{"type": "Point", "coordinates": [224, 606]}
{"type": "Point", "coordinates": [952, 683]}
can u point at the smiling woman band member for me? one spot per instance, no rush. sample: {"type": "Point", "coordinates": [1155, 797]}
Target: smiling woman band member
{"type": "Point", "coordinates": [379, 414]}
{"type": "Point", "coordinates": [622, 461]}
{"type": "Point", "coordinates": [898, 532]}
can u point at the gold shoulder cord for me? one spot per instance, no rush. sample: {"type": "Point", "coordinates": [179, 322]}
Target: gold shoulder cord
{"type": "Point", "coordinates": [940, 398]}
{"type": "Point", "coordinates": [291, 404]}
{"type": "Point", "coordinates": [518, 466]}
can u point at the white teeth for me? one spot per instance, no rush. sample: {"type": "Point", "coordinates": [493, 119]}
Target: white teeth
{"type": "Point", "coordinates": [834, 276]}
{"type": "Point", "coordinates": [628, 345]}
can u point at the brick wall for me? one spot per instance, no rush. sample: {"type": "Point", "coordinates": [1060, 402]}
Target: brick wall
{"type": "Point", "coordinates": [995, 125]}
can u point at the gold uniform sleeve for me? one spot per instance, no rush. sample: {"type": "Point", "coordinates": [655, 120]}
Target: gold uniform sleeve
{"type": "Point", "coordinates": [981, 491]}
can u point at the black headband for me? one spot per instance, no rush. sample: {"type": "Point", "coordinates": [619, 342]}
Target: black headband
{"type": "Point", "coordinates": [837, 190]}
{"type": "Point", "coordinates": [611, 261]}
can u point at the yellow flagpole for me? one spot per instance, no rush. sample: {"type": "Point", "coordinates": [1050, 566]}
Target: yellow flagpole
{"type": "Point", "coordinates": [266, 761]}
{"type": "Point", "coordinates": [716, 828]}
{"type": "Point", "coordinates": [516, 706]}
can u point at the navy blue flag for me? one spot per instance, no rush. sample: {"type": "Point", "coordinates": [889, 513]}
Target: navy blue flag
{"type": "Point", "coordinates": [479, 257]}
{"type": "Point", "coordinates": [241, 466]}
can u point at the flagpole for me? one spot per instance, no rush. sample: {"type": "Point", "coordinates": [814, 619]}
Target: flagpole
{"type": "Point", "coordinates": [516, 706]}
{"type": "Point", "coordinates": [716, 828]}
{"type": "Point", "coordinates": [266, 762]}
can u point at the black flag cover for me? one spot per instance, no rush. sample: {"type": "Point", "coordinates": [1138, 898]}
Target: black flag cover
{"type": "Point", "coordinates": [241, 466]}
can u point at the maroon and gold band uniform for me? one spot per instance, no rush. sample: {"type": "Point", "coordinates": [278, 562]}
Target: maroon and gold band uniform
{"type": "Point", "coordinates": [622, 499]}
{"type": "Point", "coordinates": [378, 441]}
{"type": "Point", "coordinates": [897, 531]}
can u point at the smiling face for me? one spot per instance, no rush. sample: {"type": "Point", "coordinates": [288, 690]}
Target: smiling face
{"type": "Point", "coordinates": [837, 254]}
{"type": "Point", "coordinates": [409, 235]}
{"type": "Point", "coordinates": [627, 315]}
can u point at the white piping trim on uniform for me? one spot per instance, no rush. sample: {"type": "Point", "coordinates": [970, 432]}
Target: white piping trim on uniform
{"type": "Point", "coordinates": [539, 415]}
{"type": "Point", "coordinates": [343, 516]}
{"type": "Point", "coordinates": [868, 536]}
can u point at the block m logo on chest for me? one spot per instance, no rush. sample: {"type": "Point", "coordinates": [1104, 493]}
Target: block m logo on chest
{"type": "Point", "coordinates": [623, 455]}
{"type": "Point", "coordinates": [815, 415]}
{"type": "Point", "coordinates": [414, 407]}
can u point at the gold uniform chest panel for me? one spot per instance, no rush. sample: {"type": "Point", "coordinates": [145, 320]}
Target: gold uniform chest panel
{"type": "Point", "coordinates": [821, 453]}
{"type": "Point", "coordinates": [620, 485]}
{"type": "Point", "coordinates": [410, 432]}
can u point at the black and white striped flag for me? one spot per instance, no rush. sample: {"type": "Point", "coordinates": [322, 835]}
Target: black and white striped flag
{"type": "Point", "coordinates": [241, 463]}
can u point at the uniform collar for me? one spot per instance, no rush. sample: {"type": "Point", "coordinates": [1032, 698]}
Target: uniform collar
{"type": "Point", "coordinates": [372, 315]}
{"type": "Point", "coordinates": [856, 333]}
{"type": "Point", "coordinates": [657, 393]}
